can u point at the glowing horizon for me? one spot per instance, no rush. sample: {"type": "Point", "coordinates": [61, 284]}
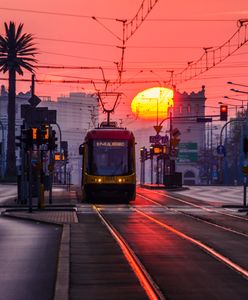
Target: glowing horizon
{"type": "Point", "coordinates": [152, 103]}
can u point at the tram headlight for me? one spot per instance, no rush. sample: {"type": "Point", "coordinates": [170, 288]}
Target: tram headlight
{"type": "Point", "coordinates": [120, 180]}
{"type": "Point", "coordinates": [98, 180]}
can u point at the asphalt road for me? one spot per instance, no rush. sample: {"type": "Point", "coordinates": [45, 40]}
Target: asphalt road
{"type": "Point", "coordinates": [28, 259]}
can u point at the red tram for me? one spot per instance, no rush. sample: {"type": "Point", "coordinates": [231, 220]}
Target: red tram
{"type": "Point", "coordinates": [108, 164]}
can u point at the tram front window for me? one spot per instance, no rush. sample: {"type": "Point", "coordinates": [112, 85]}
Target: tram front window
{"type": "Point", "coordinates": [109, 158]}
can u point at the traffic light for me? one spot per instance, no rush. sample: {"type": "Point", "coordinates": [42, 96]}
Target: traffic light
{"type": "Point", "coordinates": [151, 151]}
{"type": "Point", "coordinates": [143, 154]}
{"type": "Point", "coordinates": [245, 145]}
{"type": "Point", "coordinates": [42, 134]}
{"type": "Point", "coordinates": [52, 140]}
{"type": "Point", "coordinates": [157, 149]}
{"type": "Point", "coordinates": [26, 139]}
{"type": "Point", "coordinates": [223, 112]}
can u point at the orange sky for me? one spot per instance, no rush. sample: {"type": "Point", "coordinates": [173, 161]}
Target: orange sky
{"type": "Point", "coordinates": [167, 40]}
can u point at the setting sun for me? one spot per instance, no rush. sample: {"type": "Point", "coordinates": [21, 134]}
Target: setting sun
{"type": "Point", "coordinates": [152, 103]}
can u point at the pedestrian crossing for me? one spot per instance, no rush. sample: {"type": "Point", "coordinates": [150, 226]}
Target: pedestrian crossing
{"type": "Point", "coordinates": [7, 192]}
{"type": "Point", "coordinates": [224, 194]}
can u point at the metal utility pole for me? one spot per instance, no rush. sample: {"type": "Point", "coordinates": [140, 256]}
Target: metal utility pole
{"type": "Point", "coordinates": [3, 151]}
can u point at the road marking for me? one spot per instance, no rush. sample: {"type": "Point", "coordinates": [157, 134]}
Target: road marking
{"type": "Point", "coordinates": [196, 217]}
{"type": "Point", "coordinates": [202, 207]}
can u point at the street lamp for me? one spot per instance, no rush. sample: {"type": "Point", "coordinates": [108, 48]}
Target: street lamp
{"type": "Point", "coordinates": [238, 91]}
{"type": "Point", "coordinates": [236, 99]}
{"type": "Point", "coordinates": [238, 84]}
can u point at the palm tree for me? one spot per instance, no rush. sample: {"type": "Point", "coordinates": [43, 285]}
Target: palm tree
{"type": "Point", "coordinates": [17, 52]}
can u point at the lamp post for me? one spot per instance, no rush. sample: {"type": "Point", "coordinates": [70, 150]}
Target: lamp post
{"type": "Point", "coordinates": [245, 160]}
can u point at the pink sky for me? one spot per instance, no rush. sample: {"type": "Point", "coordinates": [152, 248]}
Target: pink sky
{"type": "Point", "coordinates": [157, 46]}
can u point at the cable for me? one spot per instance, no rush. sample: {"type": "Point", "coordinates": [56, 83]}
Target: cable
{"type": "Point", "coordinates": [75, 42]}
{"type": "Point", "coordinates": [53, 13]}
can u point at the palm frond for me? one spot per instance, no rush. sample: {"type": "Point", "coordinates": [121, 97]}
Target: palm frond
{"type": "Point", "coordinates": [17, 49]}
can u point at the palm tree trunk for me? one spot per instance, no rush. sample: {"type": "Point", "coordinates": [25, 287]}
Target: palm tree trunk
{"type": "Point", "coordinates": [11, 157]}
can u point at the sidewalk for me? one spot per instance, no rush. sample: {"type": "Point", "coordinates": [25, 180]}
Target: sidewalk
{"type": "Point", "coordinates": [90, 262]}
{"type": "Point", "coordinates": [61, 212]}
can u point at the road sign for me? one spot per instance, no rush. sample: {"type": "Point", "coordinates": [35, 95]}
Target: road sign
{"type": "Point", "coordinates": [158, 128]}
{"type": "Point", "coordinates": [221, 150]}
{"type": "Point", "coordinates": [188, 146]}
{"type": "Point", "coordinates": [41, 115]}
{"type": "Point", "coordinates": [155, 139]}
{"type": "Point", "coordinates": [176, 132]}
{"type": "Point", "coordinates": [184, 157]}
{"type": "Point", "coordinates": [203, 120]}
{"type": "Point", "coordinates": [173, 154]}
{"type": "Point", "coordinates": [165, 139]}
{"type": "Point", "coordinates": [174, 142]}
{"type": "Point", "coordinates": [34, 101]}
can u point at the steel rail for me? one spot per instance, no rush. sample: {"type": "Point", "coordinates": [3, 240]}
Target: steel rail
{"type": "Point", "coordinates": [202, 207]}
{"type": "Point", "coordinates": [197, 218]}
{"type": "Point", "coordinates": [198, 243]}
{"type": "Point", "coordinates": [148, 284]}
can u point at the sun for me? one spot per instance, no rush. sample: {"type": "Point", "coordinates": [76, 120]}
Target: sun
{"type": "Point", "coordinates": [152, 103]}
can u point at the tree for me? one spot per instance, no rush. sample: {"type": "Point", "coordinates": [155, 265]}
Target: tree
{"type": "Point", "coordinates": [17, 52]}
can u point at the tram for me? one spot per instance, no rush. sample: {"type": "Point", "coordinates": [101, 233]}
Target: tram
{"type": "Point", "coordinates": [108, 164]}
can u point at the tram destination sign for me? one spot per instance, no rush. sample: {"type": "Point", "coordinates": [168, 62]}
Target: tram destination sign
{"type": "Point", "coordinates": [110, 144]}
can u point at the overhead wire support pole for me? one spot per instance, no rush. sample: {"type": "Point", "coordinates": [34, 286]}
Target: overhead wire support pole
{"type": "Point", "coordinates": [120, 66]}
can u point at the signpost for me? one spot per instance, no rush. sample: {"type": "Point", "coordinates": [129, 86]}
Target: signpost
{"type": "Point", "coordinates": [221, 151]}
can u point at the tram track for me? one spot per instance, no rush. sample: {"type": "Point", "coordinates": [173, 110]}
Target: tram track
{"type": "Point", "coordinates": [203, 246]}
{"type": "Point", "coordinates": [198, 243]}
{"type": "Point", "coordinates": [199, 218]}
{"type": "Point", "coordinates": [201, 206]}
{"type": "Point", "coordinates": [153, 291]}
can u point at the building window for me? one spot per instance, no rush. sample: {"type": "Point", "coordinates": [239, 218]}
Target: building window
{"type": "Point", "coordinates": [197, 108]}
{"type": "Point", "coordinates": [189, 109]}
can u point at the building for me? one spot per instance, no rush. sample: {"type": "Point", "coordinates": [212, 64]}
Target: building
{"type": "Point", "coordinates": [187, 107]}
{"type": "Point", "coordinates": [76, 113]}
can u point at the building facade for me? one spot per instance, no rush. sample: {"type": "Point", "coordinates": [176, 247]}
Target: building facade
{"type": "Point", "coordinates": [76, 114]}
{"type": "Point", "coordinates": [186, 109]}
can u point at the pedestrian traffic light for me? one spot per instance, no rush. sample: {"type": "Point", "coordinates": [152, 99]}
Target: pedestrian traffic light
{"type": "Point", "coordinates": [223, 112]}
{"type": "Point", "coordinates": [245, 145]}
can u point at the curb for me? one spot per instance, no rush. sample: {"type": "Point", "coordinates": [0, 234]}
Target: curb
{"type": "Point", "coordinates": [63, 267]}
{"type": "Point", "coordinates": [162, 187]}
